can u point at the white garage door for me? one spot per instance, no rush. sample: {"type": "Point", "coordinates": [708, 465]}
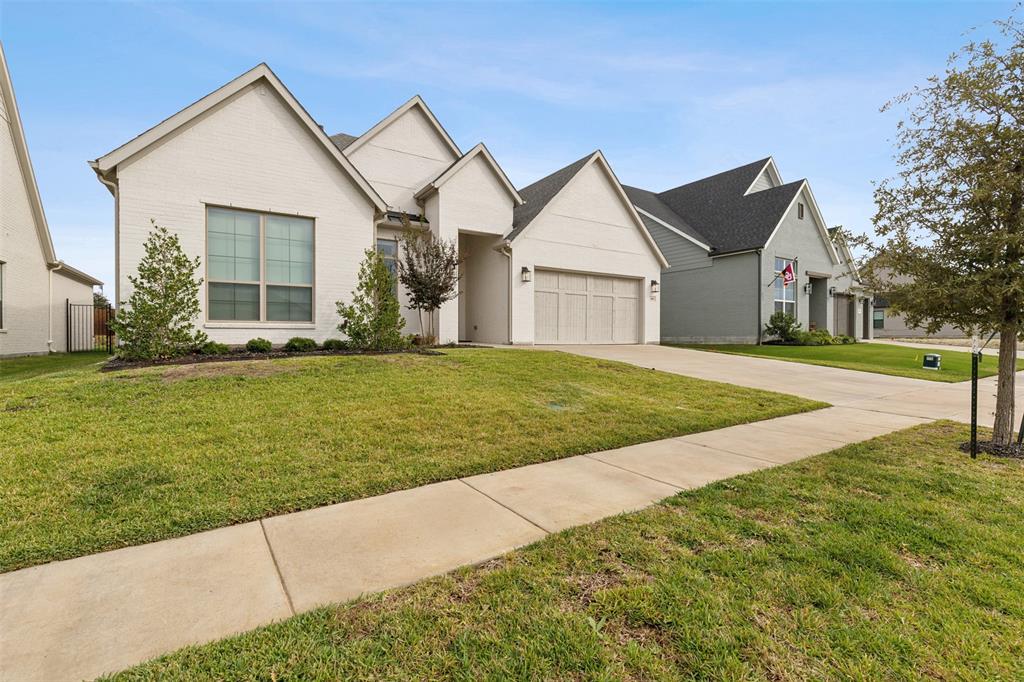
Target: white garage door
{"type": "Point", "coordinates": [570, 307]}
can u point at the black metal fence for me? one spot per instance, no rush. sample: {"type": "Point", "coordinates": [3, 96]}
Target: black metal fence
{"type": "Point", "coordinates": [88, 327]}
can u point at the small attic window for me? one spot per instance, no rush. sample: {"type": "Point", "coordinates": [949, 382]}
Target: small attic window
{"type": "Point", "coordinates": [800, 211]}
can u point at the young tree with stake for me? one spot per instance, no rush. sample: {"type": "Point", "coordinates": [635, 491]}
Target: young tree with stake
{"type": "Point", "coordinates": [951, 222]}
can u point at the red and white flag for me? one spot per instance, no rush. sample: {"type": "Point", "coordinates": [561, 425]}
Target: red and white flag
{"type": "Point", "coordinates": [787, 275]}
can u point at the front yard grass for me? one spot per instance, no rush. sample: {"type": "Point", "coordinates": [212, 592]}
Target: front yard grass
{"type": "Point", "coordinates": [870, 357]}
{"type": "Point", "coordinates": [29, 366]}
{"type": "Point", "coordinates": [93, 461]}
{"type": "Point", "coordinates": [897, 558]}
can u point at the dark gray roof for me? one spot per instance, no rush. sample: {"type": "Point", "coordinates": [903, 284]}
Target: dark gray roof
{"type": "Point", "coordinates": [342, 140]}
{"type": "Point", "coordinates": [649, 201]}
{"type": "Point", "coordinates": [728, 219]}
{"type": "Point", "coordinates": [536, 196]}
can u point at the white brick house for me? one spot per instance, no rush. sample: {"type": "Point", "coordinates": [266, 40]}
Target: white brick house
{"type": "Point", "coordinates": [34, 284]}
{"type": "Point", "coordinates": [280, 215]}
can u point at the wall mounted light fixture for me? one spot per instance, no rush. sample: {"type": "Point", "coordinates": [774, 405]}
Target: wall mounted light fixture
{"type": "Point", "coordinates": [655, 287]}
{"type": "Point", "coordinates": [526, 275]}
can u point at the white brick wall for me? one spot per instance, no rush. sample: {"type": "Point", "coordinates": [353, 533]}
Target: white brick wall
{"type": "Point", "coordinates": [26, 319]}
{"type": "Point", "coordinates": [249, 153]}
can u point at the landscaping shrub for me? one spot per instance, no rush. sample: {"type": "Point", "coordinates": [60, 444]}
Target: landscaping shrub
{"type": "Point", "coordinates": [214, 348]}
{"type": "Point", "coordinates": [818, 337]}
{"type": "Point", "coordinates": [844, 339]}
{"type": "Point", "coordinates": [258, 345]}
{"type": "Point", "coordinates": [300, 344]}
{"type": "Point", "coordinates": [783, 327]}
{"type": "Point", "coordinates": [157, 319]}
{"type": "Point", "coordinates": [373, 321]}
{"type": "Point", "coordinates": [334, 344]}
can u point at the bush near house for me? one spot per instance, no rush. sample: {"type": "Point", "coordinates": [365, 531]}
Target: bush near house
{"type": "Point", "coordinates": [300, 344]}
{"type": "Point", "coordinates": [156, 321]}
{"type": "Point", "coordinates": [334, 344]}
{"type": "Point", "coordinates": [373, 321]}
{"type": "Point", "coordinates": [258, 345]}
{"type": "Point", "coordinates": [783, 329]}
{"type": "Point", "coordinates": [214, 348]}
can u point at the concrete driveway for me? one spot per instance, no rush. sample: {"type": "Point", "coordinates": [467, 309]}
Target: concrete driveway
{"type": "Point", "coordinates": [840, 387]}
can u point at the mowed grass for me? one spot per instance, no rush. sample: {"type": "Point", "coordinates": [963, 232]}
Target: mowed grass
{"type": "Point", "coordinates": [898, 558]}
{"type": "Point", "coordinates": [16, 369]}
{"type": "Point", "coordinates": [870, 357]}
{"type": "Point", "coordinates": [93, 461]}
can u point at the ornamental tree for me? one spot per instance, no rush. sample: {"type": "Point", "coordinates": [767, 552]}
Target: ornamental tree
{"type": "Point", "coordinates": [950, 223]}
{"type": "Point", "coordinates": [429, 271]}
{"type": "Point", "coordinates": [157, 320]}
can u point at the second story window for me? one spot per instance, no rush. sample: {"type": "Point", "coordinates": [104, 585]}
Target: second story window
{"type": "Point", "coordinates": [800, 210]}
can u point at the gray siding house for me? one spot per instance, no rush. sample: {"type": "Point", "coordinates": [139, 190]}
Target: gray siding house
{"type": "Point", "coordinates": [726, 238]}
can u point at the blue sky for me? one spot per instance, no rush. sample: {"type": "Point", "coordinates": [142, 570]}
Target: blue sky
{"type": "Point", "coordinates": [669, 92]}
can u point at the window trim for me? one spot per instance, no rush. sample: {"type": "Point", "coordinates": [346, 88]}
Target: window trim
{"type": "Point", "coordinates": [262, 283]}
{"type": "Point", "coordinates": [795, 285]}
{"type": "Point", "coordinates": [376, 248]}
{"type": "Point", "coordinates": [800, 210]}
{"type": "Point", "coordinates": [878, 318]}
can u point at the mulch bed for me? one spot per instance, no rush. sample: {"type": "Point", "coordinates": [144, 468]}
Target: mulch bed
{"type": "Point", "coordinates": [116, 364]}
{"type": "Point", "coordinates": [1013, 450]}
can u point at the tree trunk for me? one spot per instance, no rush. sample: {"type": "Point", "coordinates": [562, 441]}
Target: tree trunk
{"type": "Point", "coordinates": [1002, 429]}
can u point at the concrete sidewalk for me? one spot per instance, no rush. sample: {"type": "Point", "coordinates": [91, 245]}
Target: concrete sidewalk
{"type": "Point", "coordinates": [83, 617]}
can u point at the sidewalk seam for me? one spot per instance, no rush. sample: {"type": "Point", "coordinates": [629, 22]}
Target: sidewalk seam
{"type": "Point", "coordinates": [277, 568]}
{"type": "Point", "coordinates": [591, 457]}
{"type": "Point", "coordinates": [505, 506]}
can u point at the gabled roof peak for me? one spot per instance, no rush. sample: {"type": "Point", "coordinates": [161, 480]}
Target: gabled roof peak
{"type": "Point", "coordinates": [479, 150]}
{"type": "Point", "coordinates": [413, 102]}
{"type": "Point", "coordinates": [261, 73]}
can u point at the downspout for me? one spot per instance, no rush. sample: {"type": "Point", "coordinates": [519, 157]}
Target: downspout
{"type": "Point", "coordinates": [760, 294]}
{"type": "Point", "coordinates": [49, 306]}
{"type": "Point", "coordinates": [506, 250]}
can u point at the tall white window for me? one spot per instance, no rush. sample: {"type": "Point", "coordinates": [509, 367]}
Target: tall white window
{"type": "Point", "coordinates": [259, 267]}
{"type": "Point", "coordinates": [388, 250]}
{"type": "Point", "coordinates": [785, 296]}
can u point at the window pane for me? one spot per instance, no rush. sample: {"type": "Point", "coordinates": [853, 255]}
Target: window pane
{"type": "Point", "coordinates": [290, 304]}
{"type": "Point", "coordinates": [234, 301]}
{"type": "Point", "coordinates": [289, 250]}
{"type": "Point", "coordinates": [233, 245]}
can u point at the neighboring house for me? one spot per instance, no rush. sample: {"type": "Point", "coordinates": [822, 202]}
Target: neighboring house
{"type": "Point", "coordinates": [34, 285]}
{"type": "Point", "coordinates": [280, 215]}
{"type": "Point", "coordinates": [890, 325]}
{"type": "Point", "coordinates": [726, 238]}
{"type": "Point", "coordinates": [852, 302]}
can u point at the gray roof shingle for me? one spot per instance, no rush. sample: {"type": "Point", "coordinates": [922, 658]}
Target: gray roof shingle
{"type": "Point", "coordinates": [539, 194]}
{"type": "Point", "coordinates": [649, 202]}
{"type": "Point", "coordinates": [717, 208]}
{"type": "Point", "coordinates": [342, 140]}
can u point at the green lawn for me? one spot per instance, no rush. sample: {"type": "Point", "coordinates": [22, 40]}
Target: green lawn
{"type": "Point", "coordinates": [16, 369]}
{"type": "Point", "coordinates": [898, 558]}
{"type": "Point", "coordinates": [869, 357]}
{"type": "Point", "coordinates": [93, 460]}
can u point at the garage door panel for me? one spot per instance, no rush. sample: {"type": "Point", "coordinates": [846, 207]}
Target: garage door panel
{"type": "Point", "coordinates": [602, 319]}
{"type": "Point", "coordinates": [572, 318]}
{"type": "Point", "coordinates": [572, 307]}
{"type": "Point", "coordinates": [625, 321]}
{"type": "Point", "coordinates": [546, 316]}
